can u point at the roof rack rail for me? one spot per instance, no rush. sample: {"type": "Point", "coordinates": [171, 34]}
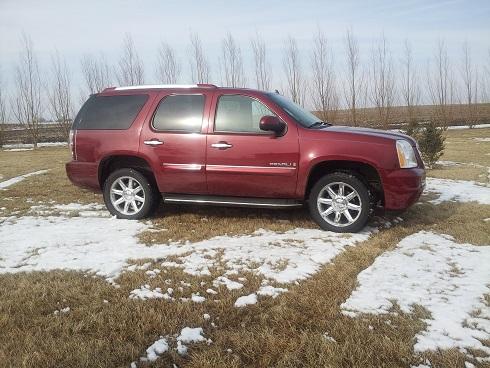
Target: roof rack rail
{"type": "Point", "coordinates": [162, 86]}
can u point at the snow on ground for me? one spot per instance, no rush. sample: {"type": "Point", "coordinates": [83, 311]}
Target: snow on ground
{"type": "Point", "coordinates": [105, 245]}
{"type": "Point", "coordinates": [246, 300]}
{"type": "Point", "coordinates": [154, 351]}
{"type": "Point", "coordinates": [433, 271]}
{"type": "Point", "coordinates": [25, 146]}
{"type": "Point", "coordinates": [482, 139]}
{"type": "Point", "coordinates": [457, 190]}
{"type": "Point", "coordinates": [17, 179]}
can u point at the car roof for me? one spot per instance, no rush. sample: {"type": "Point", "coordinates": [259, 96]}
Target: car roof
{"type": "Point", "coordinates": [159, 87]}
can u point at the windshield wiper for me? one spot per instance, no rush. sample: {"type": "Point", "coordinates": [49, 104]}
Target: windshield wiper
{"type": "Point", "coordinates": [319, 124]}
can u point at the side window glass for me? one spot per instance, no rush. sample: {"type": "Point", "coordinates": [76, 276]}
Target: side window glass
{"type": "Point", "coordinates": [180, 113]}
{"type": "Point", "coordinates": [241, 114]}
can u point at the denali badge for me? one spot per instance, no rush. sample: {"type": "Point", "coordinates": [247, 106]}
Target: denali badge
{"type": "Point", "coordinates": [283, 164]}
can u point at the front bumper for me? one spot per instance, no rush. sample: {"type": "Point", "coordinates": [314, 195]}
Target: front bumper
{"type": "Point", "coordinates": [83, 174]}
{"type": "Point", "coordinates": [402, 188]}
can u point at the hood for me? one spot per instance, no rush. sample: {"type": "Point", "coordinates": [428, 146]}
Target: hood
{"type": "Point", "coordinates": [369, 132]}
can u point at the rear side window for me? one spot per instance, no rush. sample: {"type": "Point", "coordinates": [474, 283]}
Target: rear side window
{"type": "Point", "coordinates": [240, 114]}
{"type": "Point", "coordinates": [109, 112]}
{"type": "Point", "coordinates": [180, 113]}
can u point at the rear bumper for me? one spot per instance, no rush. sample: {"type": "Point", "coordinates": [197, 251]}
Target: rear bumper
{"type": "Point", "coordinates": [403, 187]}
{"type": "Point", "coordinates": [83, 174]}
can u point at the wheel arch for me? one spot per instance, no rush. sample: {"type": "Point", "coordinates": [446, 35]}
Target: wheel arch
{"type": "Point", "coordinates": [364, 171]}
{"type": "Point", "coordinates": [114, 162]}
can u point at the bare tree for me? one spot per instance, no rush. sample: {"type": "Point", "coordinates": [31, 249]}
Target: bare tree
{"type": "Point", "coordinates": [200, 69]}
{"type": "Point", "coordinates": [410, 89]}
{"type": "Point", "coordinates": [96, 74]}
{"type": "Point", "coordinates": [441, 85]}
{"type": "Point", "coordinates": [292, 69]}
{"type": "Point", "coordinates": [263, 70]}
{"type": "Point", "coordinates": [168, 67]}
{"type": "Point", "coordinates": [324, 94]}
{"type": "Point", "coordinates": [131, 70]}
{"type": "Point", "coordinates": [3, 114]}
{"type": "Point", "coordinates": [470, 83]}
{"type": "Point", "coordinates": [60, 98]}
{"type": "Point", "coordinates": [354, 76]}
{"type": "Point", "coordinates": [232, 62]}
{"type": "Point", "coordinates": [27, 102]}
{"type": "Point", "coordinates": [382, 82]}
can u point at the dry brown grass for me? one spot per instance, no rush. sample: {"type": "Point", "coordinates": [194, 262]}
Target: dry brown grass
{"type": "Point", "coordinates": [282, 332]}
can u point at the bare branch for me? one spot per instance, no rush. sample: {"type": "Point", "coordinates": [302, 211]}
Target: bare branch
{"type": "Point", "coordinates": [232, 63]}
{"type": "Point", "coordinates": [263, 70]}
{"type": "Point", "coordinates": [131, 71]}
{"type": "Point", "coordinates": [325, 98]}
{"type": "Point", "coordinates": [96, 74]}
{"type": "Point", "coordinates": [168, 67]}
{"type": "Point", "coordinates": [60, 99]}
{"type": "Point", "coordinates": [292, 69]}
{"type": "Point", "coordinates": [27, 102]}
{"type": "Point", "coordinates": [200, 69]}
{"type": "Point", "coordinates": [3, 113]}
{"type": "Point", "coordinates": [353, 87]}
{"type": "Point", "coordinates": [383, 82]}
{"type": "Point", "coordinates": [470, 86]}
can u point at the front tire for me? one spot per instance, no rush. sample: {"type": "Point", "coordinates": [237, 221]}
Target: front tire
{"type": "Point", "coordinates": [340, 202]}
{"type": "Point", "coordinates": [128, 194]}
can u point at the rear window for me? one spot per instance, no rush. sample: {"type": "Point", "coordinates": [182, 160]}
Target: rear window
{"type": "Point", "coordinates": [109, 112]}
{"type": "Point", "coordinates": [180, 113]}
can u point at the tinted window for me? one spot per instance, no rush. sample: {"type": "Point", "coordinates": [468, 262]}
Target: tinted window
{"type": "Point", "coordinates": [239, 114]}
{"type": "Point", "coordinates": [180, 112]}
{"type": "Point", "coordinates": [109, 112]}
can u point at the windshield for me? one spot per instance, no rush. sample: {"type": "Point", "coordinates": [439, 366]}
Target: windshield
{"type": "Point", "coordinates": [302, 116]}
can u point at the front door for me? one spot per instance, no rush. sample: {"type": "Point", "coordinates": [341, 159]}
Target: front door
{"type": "Point", "coordinates": [174, 142]}
{"type": "Point", "coordinates": [243, 160]}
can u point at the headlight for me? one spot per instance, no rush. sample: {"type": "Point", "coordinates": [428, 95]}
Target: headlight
{"type": "Point", "coordinates": [406, 154]}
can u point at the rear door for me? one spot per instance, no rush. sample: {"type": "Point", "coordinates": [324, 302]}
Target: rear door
{"type": "Point", "coordinates": [243, 160]}
{"type": "Point", "coordinates": [173, 139]}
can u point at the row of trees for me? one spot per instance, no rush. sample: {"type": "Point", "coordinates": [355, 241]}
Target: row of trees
{"type": "Point", "coordinates": [313, 80]}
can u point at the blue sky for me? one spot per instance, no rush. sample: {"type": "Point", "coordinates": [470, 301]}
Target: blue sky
{"type": "Point", "coordinates": [76, 28]}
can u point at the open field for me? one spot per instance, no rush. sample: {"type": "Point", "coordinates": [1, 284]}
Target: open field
{"type": "Point", "coordinates": [108, 324]}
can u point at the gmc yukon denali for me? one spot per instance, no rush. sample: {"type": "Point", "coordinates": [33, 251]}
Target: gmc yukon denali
{"type": "Point", "coordinates": [236, 147]}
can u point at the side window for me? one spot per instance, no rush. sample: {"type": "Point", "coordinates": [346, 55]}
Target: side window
{"type": "Point", "coordinates": [237, 113]}
{"type": "Point", "coordinates": [109, 112]}
{"type": "Point", "coordinates": [180, 113]}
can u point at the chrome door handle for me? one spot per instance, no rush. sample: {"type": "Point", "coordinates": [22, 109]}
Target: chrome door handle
{"type": "Point", "coordinates": [221, 145]}
{"type": "Point", "coordinates": [153, 142]}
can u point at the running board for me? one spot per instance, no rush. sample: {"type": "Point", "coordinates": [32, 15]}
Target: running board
{"type": "Point", "coordinates": [230, 201]}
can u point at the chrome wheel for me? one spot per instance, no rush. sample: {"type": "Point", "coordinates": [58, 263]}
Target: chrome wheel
{"type": "Point", "coordinates": [339, 204]}
{"type": "Point", "coordinates": [127, 195]}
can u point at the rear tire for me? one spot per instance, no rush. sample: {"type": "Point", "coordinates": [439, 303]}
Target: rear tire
{"type": "Point", "coordinates": [128, 194]}
{"type": "Point", "coordinates": [340, 202]}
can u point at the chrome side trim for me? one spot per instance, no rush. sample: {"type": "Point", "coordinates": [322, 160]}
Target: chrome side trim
{"type": "Point", "coordinates": [252, 167]}
{"type": "Point", "coordinates": [239, 202]}
{"type": "Point", "coordinates": [189, 167]}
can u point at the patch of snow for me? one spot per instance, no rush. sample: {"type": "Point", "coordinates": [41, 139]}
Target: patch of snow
{"type": "Point", "coordinates": [246, 300]}
{"type": "Point", "coordinates": [206, 316]}
{"type": "Point", "coordinates": [155, 350]}
{"type": "Point", "coordinates": [327, 337]}
{"type": "Point", "coordinates": [104, 246]}
{"type": "Point", "coordinates": [269, 290]}
{"type": "Point", "coordinates": [8, 147]}
{"type": "Point", "coordinates": [18, 179]}
{"type": "Point", "coordinates": [62, 310]}
{"type": "Point", "coordinates": [196, 298]}
{"type": "Point", "coordinates": [458, 190]}
{"type": "Point", "coordinates": [211, 291]}
{"type": "Point", "coordinates": [191, 335]}
{"type": "Point", "coordinates": [145, 292]}
{"type": "Point", "coordinates": [18, 149]}
{"type": "Point", "coordinates": [230, 284]}
{"type": "Point", "coordinates": [482, 139]}
{"type": "Point", "coordinates": [433, 271]}
{"type": "Point", "coordinates": [181, 348]}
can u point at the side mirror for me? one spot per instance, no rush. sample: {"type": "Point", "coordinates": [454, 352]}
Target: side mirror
{"type": "Point", "coordinates": [272, 124]}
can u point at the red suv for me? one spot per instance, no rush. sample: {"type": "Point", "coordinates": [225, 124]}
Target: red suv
{"type": "Point", "coordinates": [236, 147]}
